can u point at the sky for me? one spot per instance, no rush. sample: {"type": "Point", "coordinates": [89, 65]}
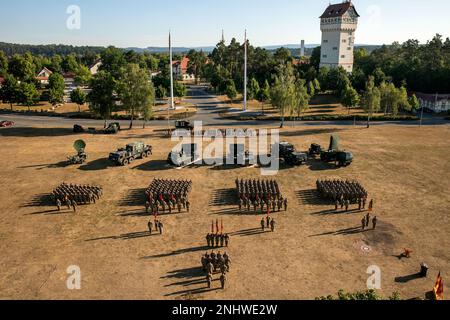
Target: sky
{"type": "Point", "coordinates": [195, 23]}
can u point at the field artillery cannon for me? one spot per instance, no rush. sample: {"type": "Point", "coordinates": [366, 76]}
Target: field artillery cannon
{"type": "Point", "coordinates": [133, 151]}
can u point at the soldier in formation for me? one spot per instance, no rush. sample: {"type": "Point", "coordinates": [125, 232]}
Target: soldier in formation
{"type": "Point", "coordinates": [168, 195]}
{"type": "Point", "coordinates": [264, 195]}
{"type": "Point", "coordinates": [342, 193]}
{"type": "Point", "coordinates": [213, 262]}
{"type": "Point", "coordinates": [217, 240]}
{"type": "Point", "coordinates": [72, 195]}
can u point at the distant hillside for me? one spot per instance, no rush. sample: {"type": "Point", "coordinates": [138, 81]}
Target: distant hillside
{"type": "Point", "coordinates": [52, 49]}
{"type": "Point", "coordinates": [47, 50]}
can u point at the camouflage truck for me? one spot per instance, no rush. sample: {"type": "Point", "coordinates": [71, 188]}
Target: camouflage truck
{"type": "Point", "coordinates": [131, 152]}
{"type": "Point", "coordinates": [289, 155]}
{"type": "Point", "coordinates": [334, 154]}
{"type": "Point", "coordinates": [187, 155]}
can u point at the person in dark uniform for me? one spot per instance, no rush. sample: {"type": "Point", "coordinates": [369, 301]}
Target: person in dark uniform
{"type": "Point", "coordinates": [263, 224]}
{"type": "Point", "coordinates": [150, 227]}
{"type": "Point", "coordinates": [374, 222]}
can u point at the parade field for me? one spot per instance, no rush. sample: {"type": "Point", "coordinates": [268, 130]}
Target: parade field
{"type": "Point", "coordinates": [313, 252]}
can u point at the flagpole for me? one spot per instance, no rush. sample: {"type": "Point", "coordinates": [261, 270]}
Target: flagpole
{"type": "Point", "coordinates": [172, 105]}
{"type": "Point", "coordinates": [245, 71]}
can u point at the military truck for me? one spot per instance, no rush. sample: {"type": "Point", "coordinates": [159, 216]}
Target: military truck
{"type": "Point", "coordinates": [334, 154]}
{"type": "Point", "coordinates": [81, 155]}
{"type": "Point", "coordinates": [184, 124]}
{"type": "Point", "coordinates": [113, 128]}
{"type": "Point", "coordinates": [131, 152]}
{"type": "Point", "coordinates": [289, 155]}
{"type": "Point", "coordinates": [187, 155]}
{"type": "Point", "coordinates": [239, 156]}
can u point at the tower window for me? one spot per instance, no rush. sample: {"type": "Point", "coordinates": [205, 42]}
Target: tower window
{"type": "Point", "coordinates": [344, 41]}
{"type": "Point", "coordinates": [324, 56]}
{"type": "Point", "coordinates": [335, 48]}
{"type": "Point", "coordinates": [343, 56]}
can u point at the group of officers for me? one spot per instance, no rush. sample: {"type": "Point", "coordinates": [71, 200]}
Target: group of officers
{"type": "Point", "coordinates": [72, 195]}
{"type": "Point", "coordinates": [168, 195]}
{"type": "Point", "coordinates": [217, 240]}
{"type": "Point", "coordinates": [343, 193]}
{"type": "Point", "coordinates": [213, 262]}
{"type": "Point", "coordinates": [262, 194]}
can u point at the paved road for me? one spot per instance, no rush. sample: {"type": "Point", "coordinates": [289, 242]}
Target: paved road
{"type": "Point", "coordinates": [207, 112]}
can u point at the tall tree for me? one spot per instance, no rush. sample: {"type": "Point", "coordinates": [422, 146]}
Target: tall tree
{"type": "Point", "coordinates": [3, 64]}
{"type": "Point", "coordinates": [264, 94]}
{"type": "Point", "coordinates": [253, 89]}
{"type": "Point", "coordinates": [371, 99]}
{"type": "Point", "coordinates": [56, 88]}
{"type": "Point", "coordinates": [79, 97]}
{"type": "Point", "coordinates": [301, 98]}
{"type": "Point", "coordinates": [22, 68]}
{"type": "Point", "coordinates": [135, 90]}
{"type": "Point", "coordinates": [102, 96]}
{"type": "Point", "coordinates": [231, 91]}
{"type": "Point", "coordinates": [350, 98]}
{"type": "Point", "coordinates": [82, 76]}
{"type": "Point", "coordinates": [196, 65]}
{"type": "Point", "coordinates": [283, 91]}
{"type": "Point", "coordinates": [28, 94]}
{"type": "Point", "coordinates": [9, 92]}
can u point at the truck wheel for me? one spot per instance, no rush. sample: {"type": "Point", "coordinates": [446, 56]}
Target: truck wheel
{"type": "Point", "coordinates": [149, 153]}
{"type": "Point", "coordinates": [125, 162]}
{"type": "Point", "coordinates": [131, 160]}
{"type": "Point", "coordinates": [144, 155]}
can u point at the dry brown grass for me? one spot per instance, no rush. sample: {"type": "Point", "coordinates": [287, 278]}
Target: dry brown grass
{"type": "Point", "coordinates": [406, 170]}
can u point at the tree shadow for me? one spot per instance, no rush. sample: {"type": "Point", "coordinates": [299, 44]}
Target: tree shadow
{"type": "Point", "coordinates": [223, 197]}
{"type": "Point", "coordinates": [178, 252]}
{"type": "Point", "coordinates": [96, 165]}
{"type": "Point", "coordinates": [154, 165]}
{"type": "Point", "coordinates": [406, 279]}
{"type": "Point", "coordinates": [311, 197]}
{"type": "Point", "coordinates": [36, 132]}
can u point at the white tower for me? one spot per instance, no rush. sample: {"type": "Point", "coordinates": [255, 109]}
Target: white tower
{"type": "Point", "coordinates": [338, 25]}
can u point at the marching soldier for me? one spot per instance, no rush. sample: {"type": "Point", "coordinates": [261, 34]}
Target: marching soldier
{"type": "Point", "coordinates": [74, 206]}
{"type": "Point", "coordinates": [208, 240]}
{"type": "Point", "coordinates": [371, 205]}
{"type": "Point", "coordinates": [223, 280]}
{"type": "Point", "coordinates": [272, 225]}
{"type": "Point", "coordinates": [374, 222]}
{"type": "Point", "coordinates": [227, 240]}
{"type": "Point", "coordinates": [150, 227]}
{"type": "Point", "coordinates": [160, 227]}
{"type": "Point", "coordinates": [210, 267]}
{"type": "Point", "coordinates": [68, 203]}
{"type": "Point", "coordinates": [209, 280]}
{"type": "Point", "coordinates": [347, 204]}
{"type": "Point", "coordinates": [336, 206]}
{"type": "Point", "coordinates": [58, 204]}
{"type": "Point", "coordinates": [179, 207]}
{"type": "Point", "coordinates": [367, 219]}
{"type": "Point", "coordinates": [147, 206]}
{"type": "Point", "coordinates": [222, 240]}
{"type": "Point", "coordinates": [263, 224]}
{"type": "Point", "coordinates": [217, 238]}
{"type": "Point", "coordinates": [268, 222]}
{"type": "Point", "coordinates": [188, 205]}
{"type": "Point", "coordinates": [363, 223]}
{"type": "Point", "coordinates": [285, 204]}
